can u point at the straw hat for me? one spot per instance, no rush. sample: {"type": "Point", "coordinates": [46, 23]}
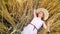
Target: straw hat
{"type": "Point", "coordinates": [46, 14]}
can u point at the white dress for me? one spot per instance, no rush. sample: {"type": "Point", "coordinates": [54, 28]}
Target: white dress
{"type": "Point", "coordinates": [37, 22]}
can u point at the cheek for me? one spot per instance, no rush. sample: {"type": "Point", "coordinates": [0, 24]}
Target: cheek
{"type": "Point", "coordinates": [41, 15]}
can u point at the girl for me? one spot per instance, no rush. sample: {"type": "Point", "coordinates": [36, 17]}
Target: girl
{"type": "Point", "coordinates": [37, 21]}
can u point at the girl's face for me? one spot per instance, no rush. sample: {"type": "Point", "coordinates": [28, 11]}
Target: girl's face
{"type": "Point", "coordinates": [40, 14]}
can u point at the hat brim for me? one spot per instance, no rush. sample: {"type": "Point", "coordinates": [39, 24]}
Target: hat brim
{"type": "Point", "coordinates": [45, 11]}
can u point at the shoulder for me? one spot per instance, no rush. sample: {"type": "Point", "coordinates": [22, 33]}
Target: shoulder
{"type": "Point", "coordinates": [43, 22]}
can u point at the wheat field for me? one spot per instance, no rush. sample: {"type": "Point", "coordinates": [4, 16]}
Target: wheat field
{"type": "Point", "coordinates": [16, 14]}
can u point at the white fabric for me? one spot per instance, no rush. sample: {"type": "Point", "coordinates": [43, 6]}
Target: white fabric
{"type": "Point", "coordinates": [29, 28]}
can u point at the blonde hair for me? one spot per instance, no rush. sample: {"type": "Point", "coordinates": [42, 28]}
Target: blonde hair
{"type": "Point", "coordinates": [45, 13]}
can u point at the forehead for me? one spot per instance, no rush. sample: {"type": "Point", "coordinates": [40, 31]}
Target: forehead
{"type": "Point", "coordinates": [40, 12]}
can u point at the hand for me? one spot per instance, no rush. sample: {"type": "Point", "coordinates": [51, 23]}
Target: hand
{"type": "Point", "coordinates": [48, 30]}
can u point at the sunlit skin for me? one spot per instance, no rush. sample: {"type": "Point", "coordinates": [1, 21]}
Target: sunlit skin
{"type": "Point", "coordinates": [40, 14]}
{"type": "Point", "coordinates": [36, 23]}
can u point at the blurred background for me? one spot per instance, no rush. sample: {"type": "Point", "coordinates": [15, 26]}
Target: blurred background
{"type": "Point", "coordinates": [16, 14]}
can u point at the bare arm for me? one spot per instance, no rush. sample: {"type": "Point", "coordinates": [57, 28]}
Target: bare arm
{"type": "Point", "coordinates": [46, 28]}
{"type": "Point", "coordinates": [35, 13]}
{"type": "Point", "coordinates": [44, 25]}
